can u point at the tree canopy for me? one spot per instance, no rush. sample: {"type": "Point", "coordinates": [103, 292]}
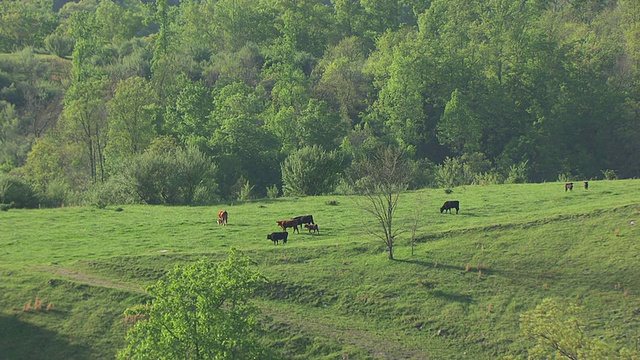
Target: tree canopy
{"type": "Point", "coordinates": [546, 87]}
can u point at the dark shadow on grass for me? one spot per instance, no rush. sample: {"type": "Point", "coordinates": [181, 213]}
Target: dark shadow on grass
{"type": "Point", "coordinates": [430, 264]}
{"type": "Point", "coordinates": [22, 340]}
{"type": "Point", "coordinates": [466, 299]}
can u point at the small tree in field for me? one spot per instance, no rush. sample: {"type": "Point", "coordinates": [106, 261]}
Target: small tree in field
{"type": "Point", "coordinates": [558, 327]}
{"type": "Point", "coordinates": [199, 311]}
{"type": "Point", "coordinates": [381, 179]}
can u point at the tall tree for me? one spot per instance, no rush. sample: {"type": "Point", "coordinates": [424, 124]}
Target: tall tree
{"type": "Point", "coordinates": [130, 113]}
{"type": "Point", "coordinates": [458, 126]}
{"type": "Point", "coordinates": [85, 122]}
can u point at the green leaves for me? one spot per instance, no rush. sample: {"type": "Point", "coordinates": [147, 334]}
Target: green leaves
{"type": "Point", "coordinates": [310, 171]}
{"type": "Point", "coordinates": [199, 311]}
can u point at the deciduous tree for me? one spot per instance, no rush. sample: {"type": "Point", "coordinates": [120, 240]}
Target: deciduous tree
{"type": "Point", "coordinates": [382, 178]}
{"type": "Point", "coordinates": [199, 311]}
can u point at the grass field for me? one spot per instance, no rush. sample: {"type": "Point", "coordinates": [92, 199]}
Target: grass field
{"type": "Point", "coordinates": [459, 296]}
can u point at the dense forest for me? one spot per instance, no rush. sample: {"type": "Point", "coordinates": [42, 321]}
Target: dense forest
{"type": "Point", "coordinates": [194, 101]}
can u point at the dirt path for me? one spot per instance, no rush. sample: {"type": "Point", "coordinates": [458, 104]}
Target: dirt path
{"type": "Point", "coordinates": [90, 279]}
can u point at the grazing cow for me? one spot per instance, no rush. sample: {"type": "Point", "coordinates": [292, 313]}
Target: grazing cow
{"type": "Point", "coordinates": [448, 205]}
{"type": "Point", "coordinates": [586, 185]}
{"type": "Point", "coordinates": [284, 224]}
{"type": "Point", "coordinates": [568, 186]}
{"type": "Point", "coordinates": [223, 216]}
{"type": "Point", "coordinates": [305, 219]}
{"type": "Point", "coordinates": [313, 227]}
{"type": "Point", "coordinates": [278, 236]}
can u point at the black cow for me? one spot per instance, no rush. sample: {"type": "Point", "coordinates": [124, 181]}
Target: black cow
{"type": "Point", "coordinates": [568, 186]}
{"type": "Point", "coordinates": [586, 185]}
{"type": "Point", "coordinates": [448, 205]}
{"type": "Point", "coordinates": [278, 236]}
{"type": "Point", "coordinates": [305, 219]}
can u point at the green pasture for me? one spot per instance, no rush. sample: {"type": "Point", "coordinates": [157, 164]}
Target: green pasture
{"type": "Point", "coordinates": [458, 296]}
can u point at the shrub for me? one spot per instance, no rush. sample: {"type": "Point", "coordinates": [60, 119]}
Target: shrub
{"type": "Point", "coordinates": [311, 171]}
{"type": "Point", "coordinates": [517, 173]}
{"type": "Point", "coordinates": [273, 192]}
{"type": "Point", "coordinates": [59, 44]}
{"type": "Point", "coordinates": [56, 194]}
{"type": "Point", "coordinates": [610, 174]}
{"type": "Point", "coordinates": [14, 190]}
{"type": "Point", "coordinates": [182, 176]}
{"type": "Point", "coordinates": [111, 192]}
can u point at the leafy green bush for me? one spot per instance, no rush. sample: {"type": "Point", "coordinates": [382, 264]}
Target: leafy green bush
{"type": "Point", "coordinates": [15, 190]}
{"type": "Point", "coordinates": [452, 173]}
{"type": "Point", "coordinates": [311, 171]}
{"type": "Point", "coordinates": [111, 192]}
{"type": "Point", "coordinates": [59, 44]}
{"type": "Point", "coordinates": [182, 176]}
{"type": "Point", "coordinates": [273, 191]}
{"type": "Point", "coordinates": [517, 173]}
{"type": "Point", "coordinates": [56, 194]}
{"type": "Point", "coordinates": [610, 174]}
{"type": "Point", "coordinates": [208, 304]}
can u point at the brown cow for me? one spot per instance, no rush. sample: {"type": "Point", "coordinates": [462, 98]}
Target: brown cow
{"type": "Point", "coordinates": [223, 216]}
{"type": "Point", "coordinates": [568, 186]}
{"type": "Point", "coordinates": [291, 223]}
{"type": "Point", "coordinates": [313, 227]}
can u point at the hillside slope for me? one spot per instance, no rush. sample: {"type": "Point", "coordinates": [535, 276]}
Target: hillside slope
{"type": "Point", "coordinates": [458, 296]}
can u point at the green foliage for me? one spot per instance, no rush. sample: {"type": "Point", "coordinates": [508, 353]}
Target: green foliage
{"type": "Point", "coordinates": [273, 192]}
{"type": "Point", "coordinates": [459, 127]}
{"type": "Point", "coordinates": [59, 43]}
{"type": "Point", "coordinates": [245, 189]}
{"type": "Point", "coordinates": [200, 311]}
{"type": "Point", "coordinates": [25, 23]}
{"type": "Point", "coordinates": [15, 191]}
{"type": "Point", "coordinates": [452, 173]}
{"type": "Point", "coordinates": [311, 171]}
{"type": "Point", "coordinates": [92, 263]}
{"type": "Point", "coordinates": [183, 176]}
{"type": "Point", "coordinates": [518, 173]}
{"type": "Point", "coordinates": [559, 329]}
{"type": "Point", "coordinates": [610, 174]}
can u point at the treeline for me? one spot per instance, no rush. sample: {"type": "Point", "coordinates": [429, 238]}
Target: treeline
{"type": "Point", "coordinates": [183, 103]}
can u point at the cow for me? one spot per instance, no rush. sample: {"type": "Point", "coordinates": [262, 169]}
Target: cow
{"type": "Point", "coordinates": [305, 219]}
{"type": "Point", "coordinates": [586, 185]}
{"type": "Point", "coordinates": [223, 216]}
{"type": "Point", "coordinates": [313, 227]}
{"type": "Point", "coordinates": [284, 224]}
{"type": "Point", "coordinates": [448, 205]}
{"type": "Point", "coordinates": [278, 236]}
{"type": "Point", "coordinates": [568, 186]}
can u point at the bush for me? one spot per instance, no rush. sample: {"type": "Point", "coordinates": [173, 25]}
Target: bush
{"type": "Point", "coordinates": [178, 177]}
{"type": "Point", "coordinates": [56, 194]}
{"type": "Point", "coordinates": [517, 173]}
{"type": "Point", "coordinates": [273, 192]}
{"type": "Point", "coordinates": [14, 190]}
{"type": "Point", "coordinates": [111, 192]}
{"type": "Point", "coordinates": [609, 174]}
{"type": "Point", "coordinates": [58, 44]}
{"type": "Point", "coordinates": [311, 171]}
{"type": "Point", "coordinates": [452, 173]}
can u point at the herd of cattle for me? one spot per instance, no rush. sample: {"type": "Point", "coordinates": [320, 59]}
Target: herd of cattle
{"type": "Point", "coordinates": [307, 220]}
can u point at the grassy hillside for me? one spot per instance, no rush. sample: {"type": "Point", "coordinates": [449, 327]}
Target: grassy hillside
{"type": "Point", "coordinates": [458, 296]}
